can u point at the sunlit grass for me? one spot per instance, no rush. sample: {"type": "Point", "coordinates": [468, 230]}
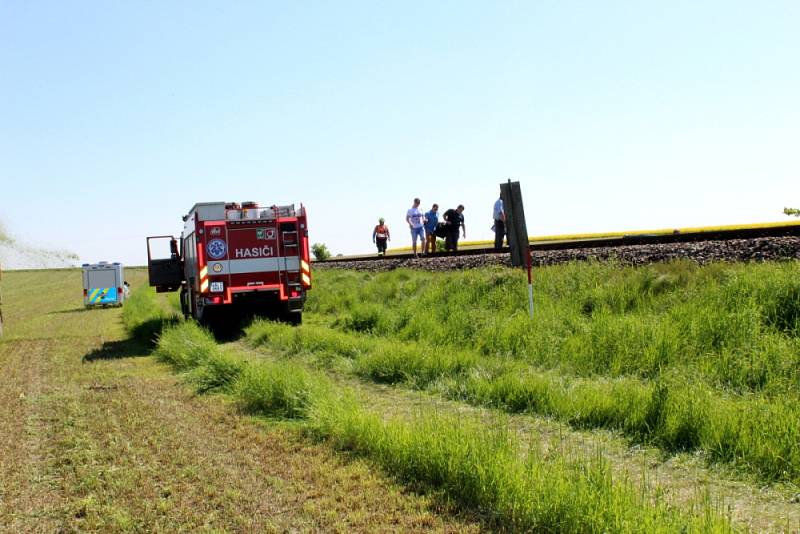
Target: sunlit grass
{"type": "Point", "coordinates": [144, 317]}
{"type": "Point", "coordinates": [480, 468]}
{"type": "Point", "coordinates": [676, 355]}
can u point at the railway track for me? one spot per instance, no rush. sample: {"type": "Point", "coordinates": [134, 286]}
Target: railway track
{"type": "Point", "coordinates": [789, 230]}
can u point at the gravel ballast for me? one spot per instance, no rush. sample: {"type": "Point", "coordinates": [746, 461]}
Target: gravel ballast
{"type": "Point", "coordinates": [702, 252]}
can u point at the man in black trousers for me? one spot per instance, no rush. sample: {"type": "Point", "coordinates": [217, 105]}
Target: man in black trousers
{"type": "Point", "coordinates": [454, 220]}
{"type": "Point", "coordinates": [499, 224]}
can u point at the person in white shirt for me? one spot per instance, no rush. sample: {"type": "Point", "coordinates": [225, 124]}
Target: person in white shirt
{"type": "Point", "coordinates": [499, 216]}
{"type": "Point", "coordinates": [415, 219]}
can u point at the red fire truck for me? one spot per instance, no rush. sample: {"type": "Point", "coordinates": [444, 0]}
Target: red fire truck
{"type": "Point", "coordinates": [234, 259]}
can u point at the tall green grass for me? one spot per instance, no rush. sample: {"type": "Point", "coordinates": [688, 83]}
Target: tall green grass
{"type": "Point", "coordinates": [672, 412]}
{"type": "Point", "coordinates": [281, 389]}
{"type": "Point", "coordinates": [192, 349]}
{"type": "Point", "coordinates": [736, 325]}
{"type": "Point", "coordinates": [677, 355]}
{"type": "Point", "coordinates": [143, 317]}
{"type": "Point", "coordinates": [481, 468]}
{"type": "Point", "coordinates": [487, 469]}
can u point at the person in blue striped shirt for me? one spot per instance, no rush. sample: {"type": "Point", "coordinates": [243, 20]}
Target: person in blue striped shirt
{"type": "Point", "coordinates": [431, 220]}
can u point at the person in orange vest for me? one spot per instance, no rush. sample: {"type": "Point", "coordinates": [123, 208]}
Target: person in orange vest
{"type": "Point", "coordinates": [380, 235]}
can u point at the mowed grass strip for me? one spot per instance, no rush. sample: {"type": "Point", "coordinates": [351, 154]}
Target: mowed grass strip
{"type": "Point", "coordinates": [677, 355]}
{"type": "Point", "coordinates": [159, 458]}
{"type": "Point", "coordinates": [480, 468]}
{"type": "Point", "coordinates": [97, 437]}
{"type": "Point", "coordinates": [26, 482]}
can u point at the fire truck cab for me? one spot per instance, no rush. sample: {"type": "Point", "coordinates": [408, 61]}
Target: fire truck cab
{"type": "Point", "coordinates": [233, 259]}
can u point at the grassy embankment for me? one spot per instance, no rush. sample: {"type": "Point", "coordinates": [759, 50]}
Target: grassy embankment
{"type": "Point", "coordinates": [675, 355]}
{"type": "Point", "coordinates": [481, 468]}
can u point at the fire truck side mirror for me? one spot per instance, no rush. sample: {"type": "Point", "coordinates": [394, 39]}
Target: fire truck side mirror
{"type": "Point", "coordinates": [173, 248]}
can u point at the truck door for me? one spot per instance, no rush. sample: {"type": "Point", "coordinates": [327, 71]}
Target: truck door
{"type": "Point", "coordinates": [164, 264]}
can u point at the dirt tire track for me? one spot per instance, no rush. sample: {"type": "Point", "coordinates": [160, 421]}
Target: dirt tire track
{"type": "Point", "coordinates": [27, 486]}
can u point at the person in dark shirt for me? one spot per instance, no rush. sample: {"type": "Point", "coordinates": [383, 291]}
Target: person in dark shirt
{"type": "Point", "coordinates": [454, 219]}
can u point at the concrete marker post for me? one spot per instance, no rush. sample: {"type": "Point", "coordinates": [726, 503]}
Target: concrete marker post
{"type": "Point", "coordinates": [517, 232]}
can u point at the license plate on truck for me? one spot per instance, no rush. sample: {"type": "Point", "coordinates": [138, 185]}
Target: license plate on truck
{"type": "Point", "coordinates": [216, 287]}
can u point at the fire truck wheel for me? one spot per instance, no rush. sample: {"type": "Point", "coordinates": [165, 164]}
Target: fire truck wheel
{"type": "Point", "coordinates": [185, 303]}
{"type": "Point", "coordinates": [196, 311]}
{"type": "Point", "coordinates": [293, 318]}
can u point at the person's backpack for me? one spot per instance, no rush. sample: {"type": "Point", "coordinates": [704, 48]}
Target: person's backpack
{"type": "Point", "coordinates": [441, 230]}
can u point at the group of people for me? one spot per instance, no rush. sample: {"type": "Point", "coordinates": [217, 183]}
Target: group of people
{"type": "Point", "coordinates": [427, 227]}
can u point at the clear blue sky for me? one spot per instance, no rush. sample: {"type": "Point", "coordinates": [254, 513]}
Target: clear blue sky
{"type": "Point", "coordinates": [115, 117]}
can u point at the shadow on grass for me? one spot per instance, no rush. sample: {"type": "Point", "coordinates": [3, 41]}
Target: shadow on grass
{"type": "Point", "coordinates": [231, 326]}
{"type": "Point", "coordinates": [71, 311]}
{"type": "Point", "coordinates": [225, 332]}
{"type": "Point", "coordinates": [141, 343]}
{"type": "Point", "coordinates": [114, 350]}
{"type": "Point", "coordinates": [148, 331]}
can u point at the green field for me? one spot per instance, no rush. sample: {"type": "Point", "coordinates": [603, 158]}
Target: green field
{"type": "Point", "coordinates": [659, 398]}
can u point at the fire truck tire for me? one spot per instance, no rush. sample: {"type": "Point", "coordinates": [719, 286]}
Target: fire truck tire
{"type": "Point", "coordinates": [293, 318]}
{"type": "Point", "coordinates": [185, 308]}
{"type": "Point", "coordinates": [197, 311]}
